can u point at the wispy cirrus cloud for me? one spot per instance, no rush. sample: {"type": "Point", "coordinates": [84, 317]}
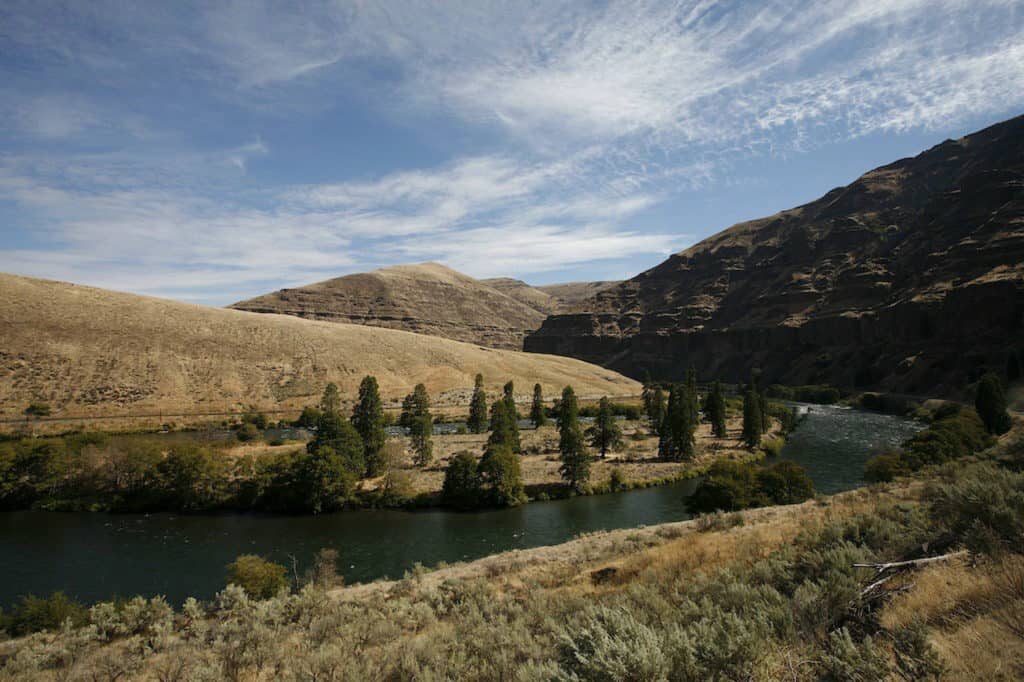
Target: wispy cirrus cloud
{"type": "Point", "coordinates": [138, 142]}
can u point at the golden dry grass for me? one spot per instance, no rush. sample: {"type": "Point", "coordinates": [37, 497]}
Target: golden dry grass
{"type": "Point", "coordinates": [95, 353]}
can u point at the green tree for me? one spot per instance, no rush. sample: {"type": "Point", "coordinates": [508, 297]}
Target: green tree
{"type": "Point", "coordinates": [751, 419]}
{"type": "Point", "coordinates": [990, 403]}
{"type": "Point", "coordinates": [323, 480]}
{"type": "Point", "coordinates": [368, 420]}
{"type": "Point", "coordinates": [331, 399]}
{"type": "Point", "coordinates": [508, 395]}
{"type": "Point", "coordinates": [677, 443]}
{"type": "Point", "coordinates": [605, 433]}
{"type": "Point", "coordinates": [537, 413]}
{"type": "Point", "coordinates": [417, 418]}
{"type": "Point", "coordinates": [309, 417]}
{"type": "Point", "coordinates": [461, 487]}
{"type": "Point", "coordinates": [261, 579]}
{"type": "Point", "coordinates": [501, 427]}
{"type": "Point", "coordinates": [193, 479]}
{"type": "Point", "coordinates": [692, 399]}
{"type": "Point", "coordinates": [716, 410]}
{"type": "Point", "coordinates": [477, 421]}
{"type": "Point", "coordinates": [647, 396]}
{"type": "Point", "coordinates": [575, 467]}
{"type": "Point", "coordinates": [337, 433]}
{"type": "Point", "coordinates": [656, 411]}
{"type": "Point", "coordinates": [765, 411]}
{"type": "Point", "coordinates": [501, 478]}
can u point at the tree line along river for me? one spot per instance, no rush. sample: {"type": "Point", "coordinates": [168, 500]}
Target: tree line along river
{"type": "Point", "coordinates": [94, 556]}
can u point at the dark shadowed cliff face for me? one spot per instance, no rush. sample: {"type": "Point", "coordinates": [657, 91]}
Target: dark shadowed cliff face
{"type": "Point", "coordinates": [909, 279]}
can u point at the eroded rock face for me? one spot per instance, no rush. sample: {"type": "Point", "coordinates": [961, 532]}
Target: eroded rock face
{"type": "Point", "coordinates": [427, 298]}
{"type": "Point", "coordinates": [910, 279]}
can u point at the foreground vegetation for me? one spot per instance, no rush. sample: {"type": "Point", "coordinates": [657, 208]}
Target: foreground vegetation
{"type": "Point", "coordinates": [833, 589]}
{"type": "Point", "coordinates": [796, 593]}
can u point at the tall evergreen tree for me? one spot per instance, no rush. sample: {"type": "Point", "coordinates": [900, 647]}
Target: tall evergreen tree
{"type": "Point", "coordinates": [656, 413]}
{"type": "Point", "coordinates": [990, 402]}
{"type": "Point", "coordinates": [538, 415]}
{"type": "Point", "coordinates": [461, 488]}
{"type": "Point", "coordinates": [502, 432]}
{"type": "Point", "coordinates": [477, 421]}
{"type": "Point", "coordinates": [575, 467]}
{"type": "Point", "coordinates": [416, 413]}
{"type": "Point", "coordinates": [677, 428]}
{"type": "Point", "coordinates": [766, 414]}
{"type": "Point", "coordinates": [716, 409]}
{"type": "Point", "coordinates": [510, 402]}
{"type": "Point", "coordinates": [331, 399]}
{"type": "Point", "coordinates": [605, 434]}
{"type": "Point", "coordinates": [648, 393]}
{"type": "Point", "coordinates": [692, 399]}
{"type": "Point", "coordinates": [368, 419]}
{"type": "Point", "coordinates": [751, 419]}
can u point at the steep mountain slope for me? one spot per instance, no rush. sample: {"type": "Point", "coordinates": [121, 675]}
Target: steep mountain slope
{"type": "Point", "coordinates": [910, 279]}
{"type": "Point", "coordinates": [569, 294]}
{"type": "Point", "coordinates": [427, 298]}
{"type": "Point", "coordinates": [548, 298]}
{"type": "Point", "coordinates": [91, 352]}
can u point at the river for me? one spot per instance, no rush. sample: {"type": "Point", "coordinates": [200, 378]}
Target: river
{"type": "Point", "coordinates": [94, 556]}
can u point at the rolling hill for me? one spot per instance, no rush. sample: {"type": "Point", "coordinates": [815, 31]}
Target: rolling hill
{"type": "Point", "coordinates": [426, 298]}
{"type": "Point", "coordinates": [909, 279]}
{"type": "Point", "coordinates": [92, 352]}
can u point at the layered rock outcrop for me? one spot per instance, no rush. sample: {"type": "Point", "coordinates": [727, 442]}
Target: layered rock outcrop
{"type": "Point", "coordinates": [910, 279]}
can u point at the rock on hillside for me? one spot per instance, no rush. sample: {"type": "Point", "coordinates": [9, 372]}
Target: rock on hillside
{"type": "Point", "coordinates": [909, 279]}
{"type": "Point", "coordinates": [427, 299]}
{"type": "Point", "coordinates": [95, 353]}
{"type": "Point", "coordinates": [570, 294]}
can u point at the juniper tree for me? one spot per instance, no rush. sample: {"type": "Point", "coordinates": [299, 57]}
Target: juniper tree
{"type": "Point", "coordinates": [766, 415]}
{"type": "Point", "coordinates": [510, 403]}
{"type": "Point", "coordinates": [692, 399]}
{"type": "Point", "coordinates": [990, 403]}
{"type": "Point", "coordinates": [647, 396]}
{"type": "Point", "coordinates": [461, 487]}
{"type": "Point", "coordinates": [477, 421]}
{"type": "Point", "coordinates": [501, 425]}
{"type": "Point", "coordinates": [716, 410]}
{"type": "Point", "coordinates": [751, 419]}
{"type": "Point", "coordinates": [501, 478]}
{"type": "Point", "coordinates": [368, 419]}
{"type": "Point", "coordinates": [605, 434]}
{"type": "Point", "coordinates": [331, 399]}
{"type": "Point", "coordinates": [537, 414]}
{"type": "Point", "coordinates": [575, 467]}
{"type": "Point", "coordinates": [677, 428]}
{"type": "Point", "coordinates": [656, 413]}
{"type": "Point", "coordinates": [416, 413]}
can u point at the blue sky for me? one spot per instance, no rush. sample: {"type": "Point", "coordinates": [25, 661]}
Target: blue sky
{"type": "Point", "coordinates": [213, 151]}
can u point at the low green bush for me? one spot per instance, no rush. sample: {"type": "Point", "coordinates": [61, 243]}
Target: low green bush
{"type": "Point", "coordinates": [38, 614]}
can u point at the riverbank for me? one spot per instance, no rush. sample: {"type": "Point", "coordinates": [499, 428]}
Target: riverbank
{"type": "Point", "coordinates": [774, 593]}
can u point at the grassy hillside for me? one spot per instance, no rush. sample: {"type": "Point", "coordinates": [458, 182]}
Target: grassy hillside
{"type": "Point", "coordinates": [426, 298]}
{"type": "Point", "coordinates": [91, 352]}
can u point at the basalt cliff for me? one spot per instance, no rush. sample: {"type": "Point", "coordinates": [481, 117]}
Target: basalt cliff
{"type": "Point", "coordinates": [910, 279]}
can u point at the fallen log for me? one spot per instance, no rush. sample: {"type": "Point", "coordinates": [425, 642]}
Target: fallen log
{"type": "Point", "coordinates": [882, 568]}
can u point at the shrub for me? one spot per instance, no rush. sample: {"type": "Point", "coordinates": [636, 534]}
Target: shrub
{"type": "Point", "coordinates": [248, 432]}
{"type": "Point", "coordinates": [991, 404]}
{"type": "Point", "coordinates": [847, 660]}
{"type": "Point", "coordinates": [983, 504]}
{"type": "Point", "coordinates": [733, 486]}
{"type": "Point", "coordinates": [884, 467]}
{"type": "Point", "coordinates": [616, 480]}
{"type": "Point", "coordinates": [36, 614]}
{"type": "Point", "coordinates": [261, 579]}
{"type": "Point", "coordinates": [37, 410]}
{"type": "Point", "coordinates": [773, 446]}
